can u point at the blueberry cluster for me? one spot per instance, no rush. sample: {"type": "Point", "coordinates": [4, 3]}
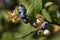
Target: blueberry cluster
{"type": "Point", "coordinates": [43, 25]}
{"type": "Point", "coordinates": [23, 14]}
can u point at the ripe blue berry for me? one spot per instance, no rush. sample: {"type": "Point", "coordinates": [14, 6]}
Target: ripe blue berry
{"type": "Point", "coordinates": [22, 8]}
{"type": "Point", "coordinates": [44, 25]}
{"type": "Point", "coordinates": [22, 11]}
{"type": "Point", "coordinates": [22, 15]}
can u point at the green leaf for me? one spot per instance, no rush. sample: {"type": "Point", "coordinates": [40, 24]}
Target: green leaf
{"type": "Point", "coordinates": [46, 15]}
{"type": "Point", "coordinates": [7, 36]}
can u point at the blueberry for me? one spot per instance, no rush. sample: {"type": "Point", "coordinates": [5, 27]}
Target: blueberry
{"type": "Point", "coordinates": [21, 8]}
{"type": "Point", "coordinates": [35, 25]}
{"type": "Point", "coordinates": [46, 32]}
{"type": "Point", "coordinates": [40, 32]}
{"type": "Point", "coordinates": [22, 15]}
{"type": "Point", "coordinates": [44, 25]}
{"type": "Point", "coordinates": [26, 20]}
{"type": "Point", "coordinates": [22, 11]}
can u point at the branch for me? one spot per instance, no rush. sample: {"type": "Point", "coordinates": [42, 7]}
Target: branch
{"type": "Point", "coordinates": [27, 34]}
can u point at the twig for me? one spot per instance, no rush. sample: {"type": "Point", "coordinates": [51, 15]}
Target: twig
{"type": "Point", "coordinates": [26, 35]}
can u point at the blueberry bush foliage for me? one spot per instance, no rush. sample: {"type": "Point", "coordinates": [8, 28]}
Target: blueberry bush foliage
{"type": "Point", "coordinates": [12, 31]}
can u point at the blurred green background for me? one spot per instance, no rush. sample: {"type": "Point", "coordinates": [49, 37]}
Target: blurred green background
{"type": "Point", "coordinates": [10, 31]}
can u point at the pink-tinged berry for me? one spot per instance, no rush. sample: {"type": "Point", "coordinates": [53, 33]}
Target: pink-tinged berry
{"type": "Point", "coordinates": [26, 20]}
{"type": "Point", "coordinates": [35, 25]}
